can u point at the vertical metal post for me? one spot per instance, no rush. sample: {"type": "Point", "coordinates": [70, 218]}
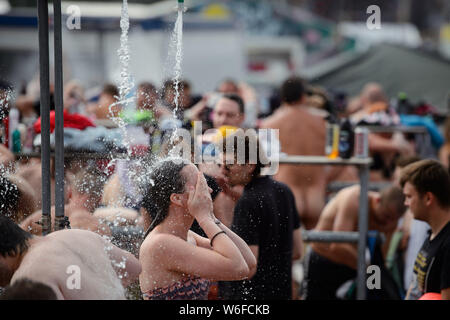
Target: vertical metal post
{"type": "Point", "coordinates": [363, 225]}
{"type": "Point", "coordinates": [44, 81]}
{"type": "Point", "coordinates": [59, 118]}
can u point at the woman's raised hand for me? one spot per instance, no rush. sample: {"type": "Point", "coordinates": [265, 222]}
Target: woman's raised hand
{"type": "Point", "coordinates": [199, 202]}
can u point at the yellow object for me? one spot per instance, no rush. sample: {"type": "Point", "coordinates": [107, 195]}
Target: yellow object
{"type": "Point", "coordinates": [223, 131]}
{"type": "Point", "coordinates": [335, 146]}
{"type": "Point", "coordinates": [445, 33]}
{"type": "Point", "coordinates": [216, 11]}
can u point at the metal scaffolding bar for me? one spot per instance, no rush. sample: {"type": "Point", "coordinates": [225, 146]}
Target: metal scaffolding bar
{"type": "Point", "coordinates": [363, 225]}
{"type": "Point", "coordinates": [319, 160]}
{"type": "Point", "coordinates": [335, 236]}
{"type": "Point", "coordinates": [392, 129]}
{"type": "Point", "coordinates": [339, 185]}
{"type": "Point", "coordinates": [44, 81]}
{"type": "Point", "coordinates": [59, 119]}
{"type": "Point", "coordinates": [363, 166]}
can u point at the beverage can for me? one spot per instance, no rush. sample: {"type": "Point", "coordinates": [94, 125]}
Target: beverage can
{"type": "Point", "coordinates": [361, 142]}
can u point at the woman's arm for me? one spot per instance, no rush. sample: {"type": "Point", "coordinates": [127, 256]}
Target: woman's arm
{"type": "Point", "coordinates": [222, 261]}
{"type": "Point", "coordinates": [249, 257]}
{"type": "Point", "coordinates": [247, 254]}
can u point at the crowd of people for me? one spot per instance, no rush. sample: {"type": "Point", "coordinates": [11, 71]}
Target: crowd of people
{"type": "Point", "coordinates": [159, 226]}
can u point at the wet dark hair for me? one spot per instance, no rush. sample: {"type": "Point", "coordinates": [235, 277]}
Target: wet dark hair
{"type": "Point", "coordinates": [165, 178]}
{"type": "Point", "coordinates": [9, 198]}
{"type": "Point", "coordinates": [26, 289]}
{"type": "Point", "coordinates": [236, 98]}
{"type": "Point", "coordinates": [292, 90]}
{"type": "Point", "coordinates": [13, 240]}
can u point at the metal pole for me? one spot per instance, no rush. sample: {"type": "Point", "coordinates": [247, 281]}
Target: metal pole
{"type": "Point", "coordinates": [363, 223]}
{"type": "Point", "coordinates": [335, 236]}
{"type": "Point", "coordinates": [44, 81]}
{"type": "Point", "coordinates": [59, 119]}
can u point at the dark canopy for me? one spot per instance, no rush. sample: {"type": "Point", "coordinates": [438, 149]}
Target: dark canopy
{"type": "Point", "coordinates": [421, 75]}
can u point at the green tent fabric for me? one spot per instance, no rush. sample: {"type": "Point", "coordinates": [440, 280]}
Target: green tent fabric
{"type": "Point", "coordinates": [421, 75]}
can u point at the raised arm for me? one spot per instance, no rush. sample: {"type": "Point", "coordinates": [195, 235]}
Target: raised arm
{"type": "Point", "coordinates": [222, 261]}
{"type": "Point", "coordinates": [244, 249]}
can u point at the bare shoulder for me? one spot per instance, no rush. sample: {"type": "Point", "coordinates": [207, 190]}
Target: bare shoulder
{"type": "Point", "coordinates": [273, 120]}
{"type": "Point", "coordinates": [349, 200]}
{"type": "Point", "coordinates": [350, 193]}
{"type": "Point", "coordinates": [162, 243]}
{"type": "Point", "coordinates": [42, 261]}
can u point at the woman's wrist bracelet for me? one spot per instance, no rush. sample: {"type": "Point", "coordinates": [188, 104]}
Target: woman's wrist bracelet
{"type": "Point", "coordinates": [212, 239]}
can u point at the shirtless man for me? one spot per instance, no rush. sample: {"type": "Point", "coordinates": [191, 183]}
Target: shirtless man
{"type": "Point", "coordinates": [85, 194]}
{"type": "Point", "coordinates": [384, 146]}
{"type": "Point", "coordinates": [339, 260]}
{"type": "Point", "coordinates": [301, 132]}
{"type": "Point", "coordinates": [104, 269]}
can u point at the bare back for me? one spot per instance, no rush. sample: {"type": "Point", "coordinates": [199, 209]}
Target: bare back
{"type": "Point", "coordinates": [49, 261]}
{"type": "Point", "coordinates": [302, 133]}
{"type": "Point", "coordinates": [341, 213]}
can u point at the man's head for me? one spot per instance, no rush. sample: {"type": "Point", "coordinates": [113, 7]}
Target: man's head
{"type": "Point", "coordinates": [169, 92]}
{"type": "Point", "coordinates": [242, 157]}
{"type": "Point", "coordinates": [26, 289]}
{"type": "Point", "coordinates": [170, 179]}
{"type": "Point", "coordinates": [229, 111]}
{"type": "Point", "coordinates": [13, 242]}
{"type": "Point", "coordinates": [390, 207]}
{"type": "Point", "coordinates": [146, 96]}
{"type": "Point", "coordinates": [88, 185]}
{"type": "Point", "coordinates": [107, 102]}
{"type": "Point", "coordinates": [372, 93]}
{"type": "Point", "coordinates": [228, 86]}
{"type": "Point", "coordinates": [293, 91]}
{"type": "Point", "coordinates": [426, 185]}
